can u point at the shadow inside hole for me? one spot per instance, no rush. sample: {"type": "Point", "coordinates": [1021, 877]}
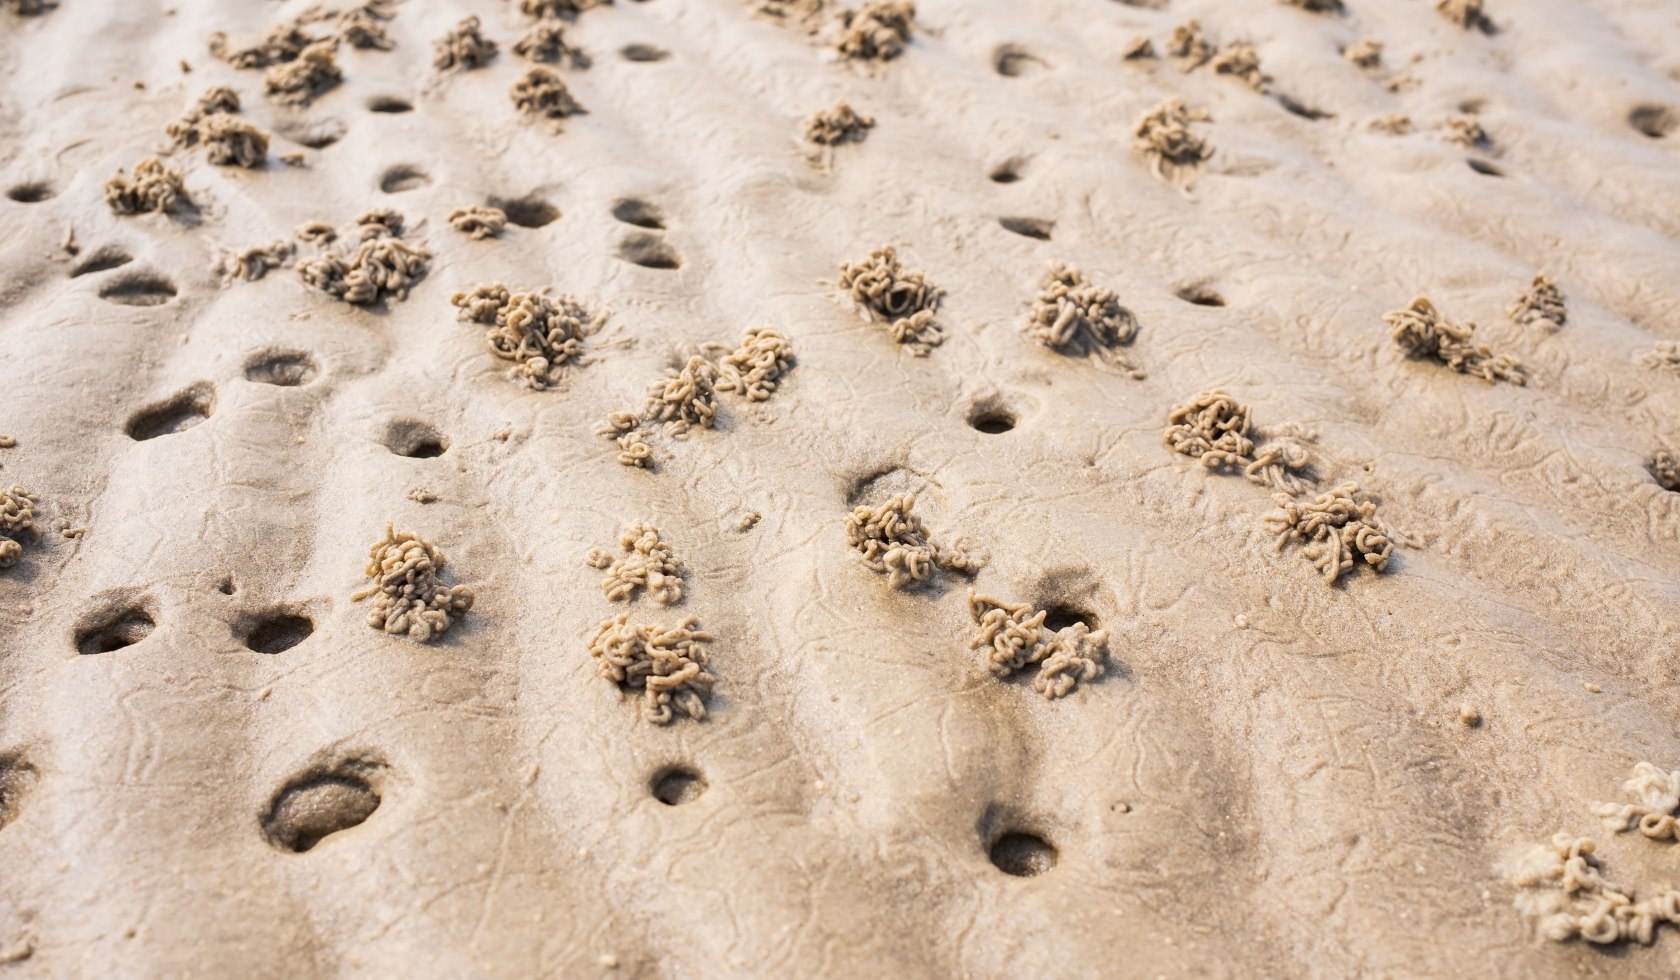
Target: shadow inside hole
{"type": "Point", "coordinates": [1030, 227]}
{"type": "Point", "coordinates": [1012, 61]}
{"type": "Point", "coordinates": [138, 289]}
{"type": "Point", "coordinates": [415, 439]}
{"type": "Point", "coordinates": [1654, 120]}
{"type": "Point", "coordinates": [1485, 168]}
{"type": "Point", "coordinates": [643, 53]}
{"type": "Point", "coordinates": [1009, 171]}
{"type": "Point", "coordinates": [227, 587]}
{"type": "Point", "coordinates": [317, 134]}
{"type": "Point", "coordinates": [1297, 108]}
{"type": "Point", "coordinates": [1060, 617]}
{"type": "Point", "coordinates": [105, 259]}
{"type": "Point", "coordinates": [33, 192]}
{"type": "Point", "coordinates": [636, 212]}
{"type": "Point", "coordinates": [317, 804]}
{"type": "Point", "coordinates": [177, 414]}
{"type": "Point", "coordinates": [676, 785]}
{"type": "Point", "coordinates": [649, 251]}
{"type": "Point", "coordinates": [403, 177]}
{"type": "Point", "coordinates": [287, 369]}
{"type": "Point", "coordinates": [275, 632]}
{"type": "Point", "coordinates": [1023, 854]}
{"type": "Point", "coordinates": [1199, 294]}
{"type": "Point", "coordinates": [114, 630]}
{"type": "Point", "coordinates": [992, 419]}
{"type": "Point", "coordinates": [529, 211]}
{"type": "Point", "coordinates": [389, 104]}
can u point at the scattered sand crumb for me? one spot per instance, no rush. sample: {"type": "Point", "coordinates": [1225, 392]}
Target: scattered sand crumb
{"type": "Point", "coordinates": [755, 368]}
{"type": "Point", "coordinates": [1139, 48]}
{"type": "Point", "coordinates": [1469, 14]}
{"type": "Point", "coordinates": [1465, 130]}
{"type": "Point", "coordinates": [1073, 317]}
{"type": "Point", "coordinates": [1541, 306]}
{"type": "Point", "coordinates": [894, 542]}
{"type": "Point", "coordinates": [1665, 469]}
{"type": "Point", "coordinates": [1394, 124]}
{"type": "Point", "coordinates": [1421, 331]}
{"type": "Point", "coordinates": [1664, 355]}
{"type": "Point", "coordinates": [421, 495]}
{"type": "Point", "coordinates": [407, 594]}
{"type": "Point", "coordinates": [1163, 136]}
{"type": "Point", "coordinates": [1014, 636]}
{"type": "Point", "coordinates": [881, 289]}
{"type": "Point", "coordinates": [478, 222]}
{"type": "Point", "coordinates": [877, 31]}
{"type": "Point", "coordinates": [153, 187]}
{"type": "Point", "coordinates": [647, 563]}
{"type": "Point", "coordinates": [464, 47]}
{"type": "Point", "coordinates": [1332, 530]}
{"type": "Point", "coordinates": [1366, 53]}
{"type": "Point", "coordinates": [667, 665]}
{"type": "Point", "coordinates": [1469, 717]}
{"type": "Point", "coordinates": [1591, 688]}
{"type": "Point", "coordinates": [17, 515]}
{"type": "Point", "coordinates": [1242, 62]}
{"type": "Point", "coordinates": [540, 92]}
{"type": "Point", "coordinates": [749, 521]}
{"type": "Point", "coordinates": [837, 125]}
{"type": "Point", "coordinates": [7, 442]}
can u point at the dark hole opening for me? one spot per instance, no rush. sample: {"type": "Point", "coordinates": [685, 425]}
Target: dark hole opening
{"type": "Point", "coordinates": [389, 104]}
{"type": "Point", "coordinates": [416, 440]}
{"type": "Point", "coordinates": [526, 212]}
{"type": "Point", "coordinates": [33, 192]}
{"type": "Point", "coordinates": [1030, 227]}
{"type": "Point", "coordinates": [122, 629]}
{"type": "Point", "coordinates": [639, 213]}
{"type": "Point", "coordinates": [1023, 854]}
{"type": "Point", "coordinates": [278, 633]}
{"type": "Point", "coordinates": [1058, 618]}
{"type": "Point", "coordinates": [1485, 168]}
{"type": "Point", "coordinates": [675, 785]}
{"type": "Point", "coordinates": [1200, 294]}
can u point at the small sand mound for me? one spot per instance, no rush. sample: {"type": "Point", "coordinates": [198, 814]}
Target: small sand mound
{"type": "Point", "coordinates": [1014, 637]}
{"type": "Point", "coordinates": [894, 542]}
{"type": "Point", "coordinates": [464, 47]}
{"type": "Point", "coordinates": [1163, 136]}
{"type": "Point", "coordinates": [755, 368]}
{"type": "Point", "coordinates": [1366, 53]}
{"type": "Point", "coordinates": [540, 92]}
{"type": "Point", "coordinates": [1655, 795]}
{"type": "Point", "coordinates": [1332, 530]}
{"type": "Point", "coordinates": [667, 665]}
{"type": "Point", "coordinates": [1421, 331]}
{"type": "Point", "coordinates": [17, 515]}
{"type": "Point", "coordinates": [877, 31]}
{"type": "Point", "coordinates": [1071, 316]}
{"type": "Point", "coordinates": [364, 27]}
{"type": "Point", "coordinates": [538, 333]}
{"type": "Point", "coordinates": [1465, 130]}
{"type": "Point", "coordinates": [407, 595]}
{"type": "Point", "coordinates": [478, 222]}
{"type": "Point", "coordinates": [1468, 14]}
{"type": "Point", "coordinates": [546, 41]}
{"type": "Point", "coordinates": [153, 187]}
{"type": "Point", "coordinates": [382, 264]}
{"type": "Point", "coordinates": [684, 398]}
{"type": "Point", "coordinates": [253, 263]}
{"type": "Point", "coordinates": [299, 81]}
{"type": "Point", "coordinates": [1541, 306]}
{"type": "Point", "coordinates": [837, 125]}
{"type": "Point", "coordinates": [647, 563]}
{"type": "Point", "coordinates": [1241, 62]}
{"type": "Point", "coordinates": [1189, 46]}
{"type": "Point", "coordinates": [885, 293]}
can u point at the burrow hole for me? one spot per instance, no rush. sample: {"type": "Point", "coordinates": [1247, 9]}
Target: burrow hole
{"type": "Point", "coordinates": [1199, 294]}
{"type": "Point", "coordinates": [676, 785]}
{"type": "Point", "coordinates": [1023, 854]}
{"type": "Point", "coordinates": [1297, 108]}
{"type": "Point", "coordinates": [275, 631]}
{"type": "Point", "coordinates": [1030, 227]}
{"type": "Point", "coordinates": [104, 259]}
{"type": "Point", "coordinates": [389, 104]}
{"type": "Point", "coordinates": [227, 587]}
{"type": "Point", "coordinates": [1009, 171]}
{"type": "Point", "coordinates": [1484, 168]}
{"type": "Point", "coordinates": [113, 629]}
{"type": "Point", "coordinates": [317, 134]}
{"type": "Point", "coordinates": [319, 803]}
{"type": "Point", "coordinates": [648, 250]}
{"type": "Point", "coordinates": [633, 211]}
{"type": "Point", "coordinates": [1059, 617]}
{"type": "Point", "coordinates": [415, 439]}
{"type": "Point", "coordinates": [288, 369]}
{"type": "Point", "coordinates": [138, 289]}
{"type": "Point", "coordinates": [643, 53]}
{"type": "Point", "coordinates": [1013, 61]}
{"type": "Point", "coordinates": [404, 177]}
{"type": "Point", "coordinates": [529, 211]}
{"type": "Point", "coordinates": [992, 418]}
{"type": "Point", "coordinates": [33, 192]}
{"type": "Point", "coordinates": [1653, 120]}
{"type": "Point", "coordinates": [176, 414]}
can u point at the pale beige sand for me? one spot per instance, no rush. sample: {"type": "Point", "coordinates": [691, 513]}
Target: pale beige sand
{"type": "Point", "coordinates": [1271, 778]}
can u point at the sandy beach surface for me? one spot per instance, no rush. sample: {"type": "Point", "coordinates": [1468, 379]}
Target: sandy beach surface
{"type": "Point", "coordinates": [478, 496]}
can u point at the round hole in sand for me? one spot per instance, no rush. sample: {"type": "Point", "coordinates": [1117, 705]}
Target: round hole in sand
{"type": "Point", "coordinates": [1023, 854]}
{"type": "Point", "coordinates": [110, 630]}
{"type": "Point", "coordinates": [415, 439]}
{"type": "Point", "coordinates": [317, 804]}
{"type": "Point", "coordinates": [1060, 617]}
{"type": "Point", "coordinates": [33, 192]}
{"type": "Point", "coordinates": [403, 177]}
{"type": "Point", "coordinates": [1037, 228]}
{"type": "Point", "coordinates": [227, 587]}
{"type": "Point", "coordinates": [633, 211]}
{"type": "Point", "coordinates": [992, 419]}
{"type": "Point", "coordinates": [275, 632]}
{"type": "Point", "coordinates": [1654, 120]}
{"type": "Point", "coordinates": [1013, 61]}
{"type": "Point", "coordinates": [287, 369]}
{"type": "Point", "coordinates": [144, 288]}
{"type": "Point", "coordinates": [178, 413]}
{"type": "Point", "coordinates": [643, 53]}
{"type": "Point", "coordinates": [1009, 171]}
{"type": "Point", "coordinates": [1484, 168]}
{"type": "Point", "coordinates": [389, 104]}
{"type": "Point", "coordinates": [1199, 294]}
{"type": "Point", "coordinates": [648, 250]}
{"type": "Point", "coordinates": [529, 211]}
{"type": "Point", "coordinates": [676, 785]}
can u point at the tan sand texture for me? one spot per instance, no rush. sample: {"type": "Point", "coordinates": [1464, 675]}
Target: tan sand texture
{"type": "Point", "coordinates": [1089, 488]}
